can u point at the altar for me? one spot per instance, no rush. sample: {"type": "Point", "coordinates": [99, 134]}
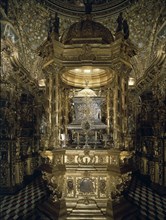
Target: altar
{"type": "Point", "coordinates": [86, 150]}
{"type": "Point", "coordinates": [89, 179]}
{"type": "Point", "coordinates": [87, 127]}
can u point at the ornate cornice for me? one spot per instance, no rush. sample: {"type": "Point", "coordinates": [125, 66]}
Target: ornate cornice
{"type": "Point", "coordinates": [99, 10]}
{"type": "Point", "coordinates": [154, 71]}
{"type": "Point", "coordinates": [16, 71]}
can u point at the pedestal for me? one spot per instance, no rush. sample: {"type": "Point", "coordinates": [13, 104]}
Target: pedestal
{"type": "Point", "coordinates": [54, 210]}
{"type": "Point", "coordinates": [88, 178]}
{"type": "Point", "coordinates": [122, 210]}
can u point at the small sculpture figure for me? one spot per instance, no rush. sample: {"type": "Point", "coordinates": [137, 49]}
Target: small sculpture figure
{"type": "Point", "coordinates": [54, 25]}
{"type": "Point", "coordinates": [122, 26]}
{"type": "Point", "coordinates": [88, 6]}
{"type": "Point", "coordinates": [120, 22]}
{"type": "Point", "coordinates": [125, 29]}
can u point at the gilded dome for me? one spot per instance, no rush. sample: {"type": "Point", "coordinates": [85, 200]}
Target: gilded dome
{"type": "Point", "coordinates": [87, 31]}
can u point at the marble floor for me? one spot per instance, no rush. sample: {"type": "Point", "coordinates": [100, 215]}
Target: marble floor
{"type": "Point", "coordinates": [23, 204]}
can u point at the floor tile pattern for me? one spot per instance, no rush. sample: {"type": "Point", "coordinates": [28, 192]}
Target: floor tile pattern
{"type": "Point", "coordinates": [23, 203]}
{"type": "Point", "coordinates": [150, 204]}
{"type": "Point", "coordinates": [22, 206]}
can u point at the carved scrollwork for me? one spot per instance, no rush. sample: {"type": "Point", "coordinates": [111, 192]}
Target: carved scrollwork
{"type": "Point", "coordinates": [46, 52]}
{"type": "Point", "coordinates": [117, 186]}
{"type": "Point", "coordinates": [58, 160]}
{"type": "Point", "coordinates": [70, 159]}
{"type": "Point", "coordinates": [86, 158]}
{"type": "Point", "coordinates": [87, 53]}
{"type": "Point", "coordinates": [102, 160]}
{"type": "Point", "coordinates": [55, 185]}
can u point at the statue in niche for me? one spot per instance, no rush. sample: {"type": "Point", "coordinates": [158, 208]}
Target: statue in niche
{"type": "Point", "coordinates": [122, 26]}
{"type": "Point", "coordinates": [54, 25]}
{"type": "Point", "coordinates": [120, 23]}
{"type": "Point", "coordinates": [70, 185]}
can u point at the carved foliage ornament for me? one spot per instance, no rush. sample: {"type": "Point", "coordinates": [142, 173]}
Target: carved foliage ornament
{"type": "Point", "coordinates": [117, 186]}
{"type": "Point", "coordinates": [87, 53]}
{"type": "Point", "coordinates": [86, 158]}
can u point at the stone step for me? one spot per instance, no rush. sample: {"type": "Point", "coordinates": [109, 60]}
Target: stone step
{"type": "Point", "coordinates": [85, 214]}
{"type": "Point", "coordinates": [84, 206]}
{"type": "Point", "coordinates": [92, 206]}
{"type": "Point", "coordinates": [95, 211]}
{"type": "Point", "coordinates": [85, 218]}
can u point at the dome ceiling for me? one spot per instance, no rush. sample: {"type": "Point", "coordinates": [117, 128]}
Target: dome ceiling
{"type": "Point", "coordinates": [145, 19]}
{"type": "Point", "coordinates": [95, 76]}
{"type": "Point", "coordinates": [76, 7]}
{"type": "Point", "coordinates": [87, 29]}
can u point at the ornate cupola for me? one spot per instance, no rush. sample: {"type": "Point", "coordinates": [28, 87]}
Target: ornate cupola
{"type": "Point", "coordinates": [87, 31]}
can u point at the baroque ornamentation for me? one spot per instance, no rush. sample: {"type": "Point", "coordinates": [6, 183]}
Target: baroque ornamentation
{"type": "Point", "coordinates": [117, 186]}
{"type": "Point", "coordinates": [87, 53]}
{"type": "Point", "coordinates": [86, 158]}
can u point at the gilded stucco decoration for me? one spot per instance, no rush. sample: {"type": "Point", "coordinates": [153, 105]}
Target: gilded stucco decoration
{"type": "Point", "coordinates": [142, 26]}
{"type": "Point", "coordinates": [117, 185]}
{"type": "Point", "coordinates": [87, 53]}
{"type": "Point", "coordinates": [90, 124]}
{"type": "Point", "coordinates": [31, 34]}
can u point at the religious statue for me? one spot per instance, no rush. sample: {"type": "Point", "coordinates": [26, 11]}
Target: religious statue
{"type": "Point", "coordinates": [122, 26]}
{"type": "Point", "coordinates": [120, 22]}
{"type": "Point", "coordinates": [125, 29]}
{"type": "Point", "coordinates": [88, 6]}
{"type": "Point", "coordinates": [54, 25]}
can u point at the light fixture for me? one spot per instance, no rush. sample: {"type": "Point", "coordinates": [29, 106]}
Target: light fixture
{"type": "Point", "coordinates": [77, 70]}
{"type": "Point", "coordinates": [96, 70]}
{"type": "Point", "coordinates": [96, 76]}
{"type": "Point", "coordinates": [87, 71]}
{"type": "Point", "coordinates": [41, 82]}
{"type": "Point", "coordinates": [131, 81]}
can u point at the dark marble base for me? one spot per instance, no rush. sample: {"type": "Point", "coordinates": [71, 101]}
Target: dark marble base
{"type": "Point", "coordinates": [53, 210]}
{"type": "Point", "coordinates": [122, 210]}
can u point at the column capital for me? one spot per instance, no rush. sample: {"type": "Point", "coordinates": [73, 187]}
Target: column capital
{"type": "Point", "coordinates": [52, 70]}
